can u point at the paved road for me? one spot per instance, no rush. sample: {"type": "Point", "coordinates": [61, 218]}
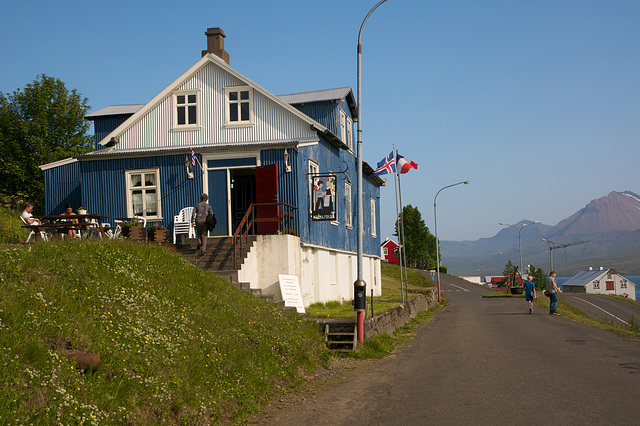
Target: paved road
{"type": "Point", "coordinates": [487, 362]}
{"type": "Point", "coordinates": [615, 311]}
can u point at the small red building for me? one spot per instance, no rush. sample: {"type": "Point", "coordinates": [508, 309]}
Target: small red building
{"type": "Point", "coordinates": [501, 281]}
{"type": "Point", "coordinates": [390, 251]}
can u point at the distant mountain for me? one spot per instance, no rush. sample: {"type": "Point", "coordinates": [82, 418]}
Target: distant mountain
{"type": "Point", "coordinates": [617, 211]}
{"type": "Point", "coordinates": [610, 224]}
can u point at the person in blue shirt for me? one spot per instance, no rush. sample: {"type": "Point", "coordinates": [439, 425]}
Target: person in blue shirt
{"type": "Point", "coordinates": [530, 292]}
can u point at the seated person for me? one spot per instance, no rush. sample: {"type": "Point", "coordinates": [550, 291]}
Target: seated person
{"type": "Point", "coordinates": [69, 212]}
{"type": "Point", "coordinates": [28, 216]}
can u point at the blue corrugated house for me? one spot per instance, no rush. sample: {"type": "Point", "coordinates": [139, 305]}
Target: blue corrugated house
{"type": "Point", "coordinates": [250, 147]}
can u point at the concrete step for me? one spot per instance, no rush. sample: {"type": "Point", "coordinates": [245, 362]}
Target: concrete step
{"type": "Point", "coordinates": [218, 259]}
{"type": "Point", "coordinates": [341, 335]}
{"type": "Point", "coordinates": [218, 255]}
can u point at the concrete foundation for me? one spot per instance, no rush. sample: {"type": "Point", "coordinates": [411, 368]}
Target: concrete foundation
{"type": "Point", "coordinates": [325, 274]}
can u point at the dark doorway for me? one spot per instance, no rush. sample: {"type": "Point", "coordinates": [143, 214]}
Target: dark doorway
{"type": "Point", "coordinates": [243, 193]}
{"type": "Point", "coordinates": [267, 193]}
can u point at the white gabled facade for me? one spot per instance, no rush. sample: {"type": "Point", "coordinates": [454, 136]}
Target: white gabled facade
{"type": "Point", "coordinates": [602, 281]}
{"type": "Point", "coordinates": [153, 127]}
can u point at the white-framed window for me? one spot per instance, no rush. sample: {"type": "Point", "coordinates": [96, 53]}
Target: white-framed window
{"type": "Point", "coordinates": [373, 217]}
{"type": "Point", "coordinates": [350, 133]}
{"type": "Point", "coordinates": [186, 109]}
{"type": "Point", "coordinates": [239, 108]}
{"type": "Point", "coordinates": [348, 212]}
{"type": "Point", "coordinates": [385, 251]}
{"type": "Point", "coordinates": [314, 169]}
{"type": "Point", "coordinates": [596, 284]}
{"type": "Point", "coordinates": [623, 284]}
{"type": "Point", "coordinates": [343, 126]}
{"type": "Point", "coordinates": [143, 193]}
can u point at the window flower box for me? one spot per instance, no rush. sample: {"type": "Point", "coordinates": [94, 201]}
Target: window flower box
{"type": "Point", "coordinates": [137, 233]}
{"type": "Point", "coordinates": [158, 234]}
{"type": "Point", "coordinates": [133, 230]}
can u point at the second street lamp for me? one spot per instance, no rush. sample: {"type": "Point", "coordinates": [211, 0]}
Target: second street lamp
{"type": "Point", "coordinates": [519, 239]}
{"type": "Point", "coordinates": [435, 223]}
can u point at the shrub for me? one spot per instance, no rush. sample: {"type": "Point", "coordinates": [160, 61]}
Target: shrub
{"type": "Point", "coordinates": [11, 230]}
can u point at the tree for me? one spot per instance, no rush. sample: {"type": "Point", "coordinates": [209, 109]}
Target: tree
{"type": "Point", "coordinates": [508, 269]}
{"type": "Point", "coordinates": [38, 125]}
{"type": "Point", "coordinates": [539, 277]}
{"type": "Point", "coordinates": [420, 243]}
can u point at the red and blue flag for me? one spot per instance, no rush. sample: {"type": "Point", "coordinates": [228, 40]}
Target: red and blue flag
{"type": "Point", "coordinates": [387, 165]}
{"type": "Point", "coordinates": [403, 165]}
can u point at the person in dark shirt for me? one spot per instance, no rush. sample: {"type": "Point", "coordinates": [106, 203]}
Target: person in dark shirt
{"type": "Point", "coordinates": [199, 218]}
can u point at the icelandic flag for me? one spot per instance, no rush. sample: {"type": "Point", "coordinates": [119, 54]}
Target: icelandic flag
{"type": "Point", "coordinates": [387, 165]}
{"type": "Point", "coordinates": [404, 165]}
{"type": "Point", "coordinates": [193, 158]}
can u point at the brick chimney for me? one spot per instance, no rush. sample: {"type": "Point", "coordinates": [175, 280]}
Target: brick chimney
{"type": "Point", "coordinates": [215, 43]}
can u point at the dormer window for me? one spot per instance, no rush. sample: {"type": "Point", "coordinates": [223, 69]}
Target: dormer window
{"type": "Point", "coordinates": [186, 110]}
{"type": "Point", "coordinates": [350, 133]}
{"type": "Point", "coordinates": [239, 111]}
{"type": "Point", "coordinates": [346, 129]}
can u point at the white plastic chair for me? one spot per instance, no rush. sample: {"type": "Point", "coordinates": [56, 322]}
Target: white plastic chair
{"type": "Point", "coordinates": [141, 219]}
{"type": "Point", "coordinates": [33, 232]}
{"type": "Point", "coordinates": [113, 232]}
{"type": "Point", "coordinates": [94, 229]}
{"type": "Point", "coordinates": [182, 224]}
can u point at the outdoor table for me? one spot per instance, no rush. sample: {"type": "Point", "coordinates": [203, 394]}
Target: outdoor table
{"type": "Point", "coordinates": [66, 222]}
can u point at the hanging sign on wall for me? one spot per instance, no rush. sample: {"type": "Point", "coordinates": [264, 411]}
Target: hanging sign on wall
{"type": "Point", "coordinates": [323, 197]}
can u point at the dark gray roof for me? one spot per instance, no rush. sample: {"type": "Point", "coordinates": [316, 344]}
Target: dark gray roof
{"type": "Point", "coordinates": [583, 278]}
{"type": "Point", "coordinates": [197, 148]}
{"type": "Point", "coordinates": [316, 96]}
{"type": "Point", "coordinates": [114, 110]}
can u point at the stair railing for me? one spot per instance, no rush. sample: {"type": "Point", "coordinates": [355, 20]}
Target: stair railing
{"type": "Point", "coordinates": [238, 240]}
{"type": "Point", "coordinates": [286, 219]}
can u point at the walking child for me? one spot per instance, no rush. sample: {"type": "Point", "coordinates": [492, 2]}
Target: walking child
{"type": "Point", "coordinates": [530, 292]}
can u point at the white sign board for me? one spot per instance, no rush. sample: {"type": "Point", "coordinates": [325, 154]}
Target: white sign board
{"type": "Point", "coordinates": [290, 290]}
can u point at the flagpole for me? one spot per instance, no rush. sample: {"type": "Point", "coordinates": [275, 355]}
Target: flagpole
{"type": "Point", "coordinates": [404, 242]}
{"type": "Point", "coordinates": [195, 157]}
{"type": "Point", "coordinates": [399, 222]}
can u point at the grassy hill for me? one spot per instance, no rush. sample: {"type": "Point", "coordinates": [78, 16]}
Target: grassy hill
{"type": "Point", "coordinates": [177, 345]}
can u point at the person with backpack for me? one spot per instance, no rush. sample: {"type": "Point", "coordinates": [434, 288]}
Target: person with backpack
{"type": "Point", "coordinates": [199, 218]}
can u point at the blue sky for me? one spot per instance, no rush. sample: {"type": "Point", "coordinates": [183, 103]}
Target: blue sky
{"type": "Point", "coordinates": [535, 102]}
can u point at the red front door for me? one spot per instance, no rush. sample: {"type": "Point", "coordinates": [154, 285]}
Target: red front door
{"type": "Point", "coordinates": [267, 193]}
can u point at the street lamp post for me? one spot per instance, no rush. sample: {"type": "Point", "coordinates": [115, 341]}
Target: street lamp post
{"type": "Point", "coordinates": [505, 254]}
{"type": "Point", "coordinates": [551, 245]}
{"type": "Point", "coordinates": [360, 285]}
{"type": "Point", "coordinates": [519, 240]}
{"type": "Point", "coordinates": [509, 264]}
{"type": "Point", "coordinates": [435, 222]}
